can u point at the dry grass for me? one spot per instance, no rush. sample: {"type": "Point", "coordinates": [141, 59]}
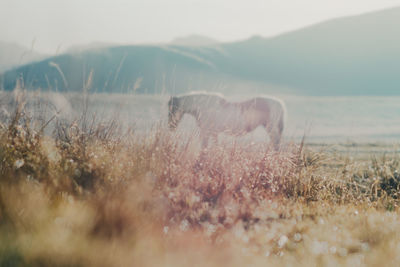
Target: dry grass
{"type": "Point", "coordinates": [92, 195]}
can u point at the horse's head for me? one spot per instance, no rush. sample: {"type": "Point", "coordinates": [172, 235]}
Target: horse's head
{"type": "Point", "coordinates": [175, 112]}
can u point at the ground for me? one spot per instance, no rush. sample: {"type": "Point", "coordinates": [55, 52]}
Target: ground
{"type": "Point", "coordinates": [95, 194]}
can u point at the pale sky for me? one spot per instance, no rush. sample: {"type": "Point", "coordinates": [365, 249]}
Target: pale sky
{"type": "Point", "coordinates": [50, 24]}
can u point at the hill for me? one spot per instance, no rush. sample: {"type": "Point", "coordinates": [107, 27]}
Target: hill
{"type": "Point", "coordinates": [115, 69]}
{"type": "Point", "coordinates": [89, 46]}
{"type": "Point", "coordinates": [358, 55]}
{"type": "Point", "coordinates": [194, 40]}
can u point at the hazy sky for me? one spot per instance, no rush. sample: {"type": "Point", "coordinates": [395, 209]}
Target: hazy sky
{"type": "Point", "coordinates": [62, 23]}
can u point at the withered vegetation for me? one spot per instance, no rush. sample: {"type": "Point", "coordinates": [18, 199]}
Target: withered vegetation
{"type": "Point", "coordinates": [93, 194]}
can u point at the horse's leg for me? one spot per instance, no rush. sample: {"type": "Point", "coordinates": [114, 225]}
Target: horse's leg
{"type": "Point", "coordinates": [275, 134]}
{"type": "Point", "coordinates": [204, 140]}
{"type": "Point", "coordinates": [203, 152]}
{"type": "Point", "coordinates": [215, 138]}
{"type": "Point", "coordinates": [275, 137]}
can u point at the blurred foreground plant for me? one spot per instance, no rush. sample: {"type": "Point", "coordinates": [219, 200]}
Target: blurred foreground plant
{"type": "Point", "coordinates": [93, 195]}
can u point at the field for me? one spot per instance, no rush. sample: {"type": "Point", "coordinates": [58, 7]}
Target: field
{"type": "Point", "coordinates": [82, 183]}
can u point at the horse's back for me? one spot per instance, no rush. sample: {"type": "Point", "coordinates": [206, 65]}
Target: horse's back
{"type": "Point", "coordinates": [265, 105]}
{"type": "Point", "coordinates": [202, 101]}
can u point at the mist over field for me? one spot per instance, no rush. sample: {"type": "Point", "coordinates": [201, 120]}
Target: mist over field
{"type": "Point", "coordinates": [321, 119]}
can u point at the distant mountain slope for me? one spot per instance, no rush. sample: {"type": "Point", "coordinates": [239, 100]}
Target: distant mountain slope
{"type": "Point", "coordinates": [89, 46]}
{"type": "Point", "coordinates": [353, 55]}
{"type": "Point", "coordinates": [116, 69]}
{"type": "Point", "coordinates": [357, 55]}
{"type": "Point", "coordinates": [12, 55]}
{"type": "Point", "coordinates": [194, 40]}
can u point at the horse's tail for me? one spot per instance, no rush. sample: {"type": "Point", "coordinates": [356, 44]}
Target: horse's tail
{"type": "Point", "coordinates": [281, 124]}
{"type": "Point", "coordinates": [282, 117]}
{"type": "Point", "coordinates": [278, 121]}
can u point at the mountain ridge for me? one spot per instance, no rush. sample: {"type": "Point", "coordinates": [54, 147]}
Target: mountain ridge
{"type": "Point", "coordinates": [354, 55]}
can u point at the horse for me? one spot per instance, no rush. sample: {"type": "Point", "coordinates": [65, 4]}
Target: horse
{"type": "Point", "coordinates": [214, 115]}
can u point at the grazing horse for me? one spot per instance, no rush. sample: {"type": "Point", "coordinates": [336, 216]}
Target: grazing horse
{"type": "Point", "coordinates": [214, 115]}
